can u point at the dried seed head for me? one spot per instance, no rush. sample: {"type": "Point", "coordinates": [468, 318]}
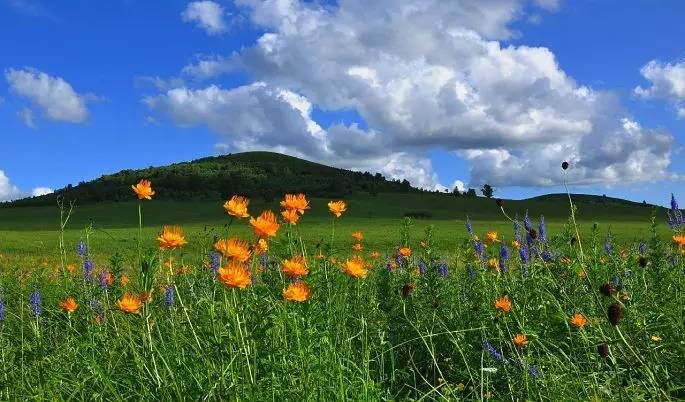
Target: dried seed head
{"type": "Point", "coordinates": [642, 261]}
{"type": "Point", "coordinates": [499, 202]}
{"type": "Point", "coordinates": [603, 350]}
{"type": "Point", "coordinates": [607, 289]}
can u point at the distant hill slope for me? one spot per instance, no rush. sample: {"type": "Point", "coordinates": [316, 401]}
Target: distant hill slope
{"type": "Point", "coordinates": [265, 175]}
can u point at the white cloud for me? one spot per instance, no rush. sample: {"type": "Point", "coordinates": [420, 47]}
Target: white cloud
{"type": "Point", "coordinates": [26, 115]}
{"type": "Point", "coordinates": [53, 95]}
{"type": "Point", "coordinates": [423, 75]}
{"type": "Point", "coordinates": [459, 185]}
{"type": "Point", "coordinates": [208, 15]}
{"type": "Point", "coordinates": [667, 81]}
{"type": "Point", "coordinates": [38, 191]}
{"type": "Point", "coordinates": [681, 112]}
{"type": "Point", "coordinates": [548, 4]}
{"type": "Point", "coordinates": [207, 67]}
{"type": "Point", "coordinates": [7, 190]}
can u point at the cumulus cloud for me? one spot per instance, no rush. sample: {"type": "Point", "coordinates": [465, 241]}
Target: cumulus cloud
{"type": "Point", "coordinates": [52, 95]}
{"type": "Point", "coordinates": [38, 191]}
{"type": "Point", "coordinates": [207, 67]}
{"type": "Point", "coordinates": [667, 81]}
{"type": "Point", "coordinates": [208, 15]}
{"type": "Point", "coordinates": [26, 115]}
{"type": "Point", "coordinates": [423, 75]}
{"type": "Point", "coordinates": [7, 190]}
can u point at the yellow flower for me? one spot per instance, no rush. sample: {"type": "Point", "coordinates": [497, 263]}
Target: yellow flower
{"type": "Point", "coordinates": [295, 267]}
{"type": "Point", "coordinates": [298, 292]}
{"type": "Point", "coordinates": [171, 238]}
{"type": "Point", "coordinates": [493, 263]}
{"type": "Point", "coordinates": [143, 190]}
{"type": "Point", "coordinates": [234, 248]}
{"type": "Point", "coordinates": [69, 305]}
{"type": "Point", "coordinates": [520, 340]}
{"type": "Point", "coordinates": [503, 303]}
{"type": "Point", "coordinates": [356, 267]}
{"type": "Point", "coordinates": [515, 244]}
{"type": "Point", "coordinates": [295, 203]}
{"type": "Point", "coordinates": [337, 208]}
{"type": "Point", "coordinates": [234, 275]}
{"type": "Point", "coordinates": [357, 247]}
{"type": "Point", "coordinates": [265, 224]}
{"type": "Point", "coordinates": [261, 247]}
{"type": "Point", "coordinates": [358, 236]}
{"type": "Point", "coordinates": [129, 303]}
{"type": "Point", "coordinates": [290, 216]}
{"type": "Point", "coordinates": [491, 237]}
{"type": "Point", "coordinates": [656, 338]}
{"type": "Point", "coordinates": [405, 252]}
{"type": "Point", "coordinates": [578, 320]}
{"type": "Point", "coordinates": [237, 207]}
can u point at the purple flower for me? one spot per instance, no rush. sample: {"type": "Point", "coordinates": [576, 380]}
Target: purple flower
{"type": "Point", "coordinates": [547, 255]}
{"type": "Point", "coordinates": [214, 262]}
{"type": "Point", "coordinates": [542, 231]}
{"type": "Point", "coordinates": [88, 271]}
{"type": "Point", "coordinates": [103, 281]}
{"type": "Point", "coordinates": [675, 217]}
{"type": "Point", "coordinates": [523, 254]}
{"type": "Point", "coordinates": [642, 248]}
{"type": "Point", "coordinates": [99, 311]}
{"type": "Point", "coordinates": [608, 248]}
{"type": "Point", "coordinates": [169, 296]}
{"type": "Point", "coordinates": [442, 269]}
{"type": "Point", "coordinates": [471, 272]}
{"type": "Point", "coordinates": [526, 223]}
{"type": "Point", "coordinates": [493, 352]}
{"type": "Point", "coordinates": [422, 268]}
{"type": "Point", "coordinates": [478, 247]}
{"type": "Point", "coordinates": [617, 281]}
{"type": "Point", "coordinates": [517, 229]}
{"type": "Point", "coordinates": [36, 303]}
{"type": "Point", "coordinates": [2, 307]}
{"type": "Point", "coordinates": [81, 249]}
{"type": "Point", "coordinates": [469, 226]}
{"type": "Point", "coordinates": [534, 372]}
{"type": "Point", "coordinates": [503, 257]}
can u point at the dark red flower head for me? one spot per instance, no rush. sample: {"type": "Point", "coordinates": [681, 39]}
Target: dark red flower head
{"type": "Point", "coordinates": [499, 202]}
{"type": "Point", "coordinates": [603, 350]}
{"type": "Point", "coordinates": [533, 234]}
{"type": "Point", "coordinates": [564, 165]}
{"type": "Point", "coordinates": [614, 313]}
{"type": "Point", "coordinates": [607, 289]}
{"type": "Point", "coordinates": [642, 261]}
{"type": "Point", "coordinates": [407, 289]}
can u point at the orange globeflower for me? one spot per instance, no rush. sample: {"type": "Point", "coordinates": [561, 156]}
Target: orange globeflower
{"type": "Point", "coordinates": [237, 206]}
{"type": "Point", "coordinates": [109, 278]}
{"type": "Point", "coordinates": [69, 305]}
{"type": "Point", "coordinates": [298, 291]}
{"type": "Point", "coordinates": [337, 208]}
{"type": "Point", "coordinates": [405, 252]}
{"type": "Point", "coordinates": [679, 240]}
{"type": "Point", "coordinates": [171, 238]}
{"type": "Point", "coordinates": [375, 255]}
{"type": "Point", "coordinates": [129, 303]}
{"type": "Point", "coordinates": [265, 224]}
{"type": "Point", "coordinates": [295, 267]}
{"type": "Point", "coordinates": [356, 267]}
{"type": "Point", "coordinates": [491, 237]}
{"type": "Point", "coordinates": [295, 203]}
{"type": "Point", "coordinates": [290, 216]}
{"type": "Point", "coordinates": [358, 236]}
{"type": "Point", "coordinates": [520, 340]}
{"type": "Point", "coordinates": [261, 247]}
{"type": "Point", "coordinates": [503, 303]}
{"type": "Point", "coordinates": [233, 248]}
{"type": "Point", "coordinates": [143, 190]}
{"type": "Point", "coordinates": [234, 275]}
{"type": "Point", "coordinates": [71, 268]}
{"type": "Point", "coordinates": [578, 320]}
{"type": "Point", "coordinates": [357, 247]}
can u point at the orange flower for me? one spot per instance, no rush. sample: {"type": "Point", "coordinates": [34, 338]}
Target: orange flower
{"type": "Point", "coordinates": [109, 278]}
{"type": "Point", "coordinates": [392, 265]}
{"type": "Point", "coordinates": [493, 263]}
{"type": "Point", "coordinates": [405, 252]}
{"type": "Point", "coordinates": [520, 340]}
{"type": "Point", "coordinates": [578, 320]}
{"type": "Point", "coordinates": [295, 203]}
{"type": "Point", "coordinates": [265, 224]}
{"type": "Point", "coordinates": [261, 247]}
{"type": "Point", "coordinates": [143, 190]}
{"type": "Point", "coordinates": [290, 216]}
{"type": "Point", "coordinates": [183, 269]}
{"type": "Point", "coordinates": [129, 303]}
{"type": "Point", "coordinates": [503, 303]}
{"type": "Point", "coordinates": [71, 268]}
{"type": "Point", "coordinates": [145, 297]}
{"type": "Point", "coordinates": [679, 240]}
{"type": "Point", "coordinates": [234, 275]}
{"type": "Point", "coordinates": [124, 280]}
{"type": "Point", "coordinates": [319, 257]}
{"type": "Point", "coordinates": [581, 274]}
{"type": "Point", "coordinates": [337, 208]}
{"type": "Point", "coordinates": [358, 236]}
{"type": "Point", "coordinates": [298, 291]}
{"type": "Point", "coordinates": [356, 267]}
{"type": "Point", "coordinates": [237, 206]}
{"type": "Point", "coordinates": [375, 255]}
{"type": "Point", "coordinates": [491, 237]}
{"type": "Point", "coordinates": [171, 238]}
{"type": "Point", "coordinates": [295, 267]}
{"type": "Point", "coordinates": [69, 305]}
{"type": "Point", "coordinates": [233, 248]}
{"type": "Point", "coordinates": [357, 247]}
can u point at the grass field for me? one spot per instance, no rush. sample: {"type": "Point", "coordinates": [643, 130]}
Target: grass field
{"type": "Point", "coordinates": [430, 318]}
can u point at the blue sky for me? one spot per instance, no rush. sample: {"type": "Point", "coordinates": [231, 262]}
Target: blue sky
{"type": "Point", "coordinates": [134, 100]}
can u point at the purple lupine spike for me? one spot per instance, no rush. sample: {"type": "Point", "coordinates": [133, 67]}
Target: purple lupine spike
{"type": "Point", "coordinates": [533, 372]}
{"type": "Point", "coordinates": [2, 308]}
{"type": "Point", "coordinates": [422, 268]}
{"type": "Point", "coordinates": [169, 296]}
{"type": "Point", "coordinates": [88, 270]}
{"type": "Point", "coordinates": [478, 248]}
{"type": "Point", "coordinates": [617, 281]}
{"type": "Point", "coordinates": [546, 255]}
{"type": "Point", "coordinates": [526, 222]}
{"type": "Point", "coordinates": [674, 203]}
{"type": "Point", "coordinates": [102, 277]}
{"type": "Point", "coordinates": [523, 254]}
{"type": "Point", "coordinates": [471, 272]}
{"type": "Point", "coordinates": [214, 262]}
{"type": "Point", "coordinates": [443, 269]}
{"type": "Point", "coordinates": [503, 257]}
{"type": "Point", "coordinates": [542, 232]}
{"type": "Point", "coordinates": [517, 229]}
{"type": "Point", "coordinates": [608, 248]}
{"type": "Point", "coordinates": [642, 248]}
{"type": "Point", "coordinates": [469, 226]}
{"type": "Point", "coordinates": [493, 352]}
{"type": "Point", "coordinates": [36, 303]}
{"type": "Point", "coordinates": [81, 249]}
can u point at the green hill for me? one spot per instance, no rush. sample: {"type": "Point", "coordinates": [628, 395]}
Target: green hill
{"type": "Point", "coordinates": [265, 175]}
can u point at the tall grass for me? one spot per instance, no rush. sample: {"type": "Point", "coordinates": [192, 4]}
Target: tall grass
{"type": "Point", "coordinates": [422, 327]}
